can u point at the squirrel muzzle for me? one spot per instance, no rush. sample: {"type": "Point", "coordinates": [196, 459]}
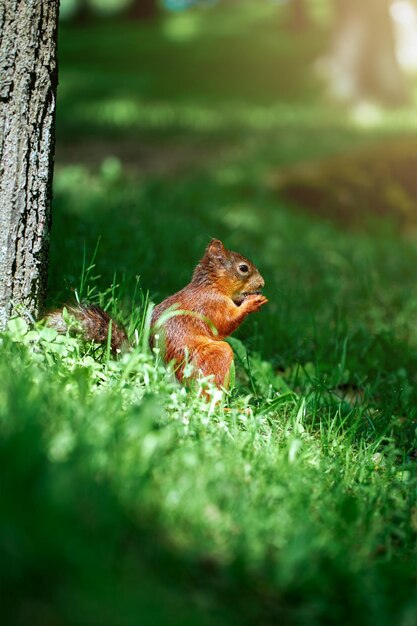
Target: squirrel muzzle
{"type": "Point", "coordinates": [252, 287]}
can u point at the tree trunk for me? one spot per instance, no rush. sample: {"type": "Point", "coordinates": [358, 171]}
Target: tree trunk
{"type": "Point", "coordinates": [364, 65]}
{"type": "Point", "coordinates": [83, 13]}
{"type": "Point", "coordinates": [143, 9]}
{"type": "Point", "coordinates": [28, 81]}
{"type": "Point", "coordinates": [298, 18]}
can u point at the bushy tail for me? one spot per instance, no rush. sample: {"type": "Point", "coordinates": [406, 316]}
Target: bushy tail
{"type": "Point", "coordinates": [91, 323]}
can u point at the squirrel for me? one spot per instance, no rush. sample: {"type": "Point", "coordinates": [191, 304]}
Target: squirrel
{"type": "Point", "coordinates": [191, 325]}
{"type": "Point", "coordinates": [224, 289]}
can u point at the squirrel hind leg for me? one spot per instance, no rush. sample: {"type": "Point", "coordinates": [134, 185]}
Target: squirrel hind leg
{"type": "Point", "coordinates": [215, 358]}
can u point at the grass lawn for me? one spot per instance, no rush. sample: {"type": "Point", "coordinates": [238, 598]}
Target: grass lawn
{"type": "Point", "coordinates": [127, 500]}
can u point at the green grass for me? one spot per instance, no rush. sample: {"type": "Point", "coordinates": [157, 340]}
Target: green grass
{"type": "Point", "coordinates": [126, 499]}
{"type": "Point", "coordinates": [295, 506]}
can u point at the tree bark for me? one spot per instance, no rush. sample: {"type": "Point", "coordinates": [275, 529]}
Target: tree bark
{"type": "Point", "coordinates": [364, 65]}
{"type": "Point", "coordinates": [28, 82]}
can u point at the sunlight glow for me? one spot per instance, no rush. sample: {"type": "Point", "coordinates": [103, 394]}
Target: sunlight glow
{"type": "Point", "coordinates": [183, 27]}
{"type": "Point", "coordinates": [402, 12]}
{"type": "Point", "coordinates": [367, 115]}
{"type": "Point", "coordinates": [404, 15]}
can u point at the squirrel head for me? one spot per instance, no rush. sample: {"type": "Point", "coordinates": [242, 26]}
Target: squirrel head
{"type": "Point", "coordinates": [227, 271]}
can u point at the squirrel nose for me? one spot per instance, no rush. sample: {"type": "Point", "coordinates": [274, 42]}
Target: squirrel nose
{"type": "Point", "coordinates": [261, 283]}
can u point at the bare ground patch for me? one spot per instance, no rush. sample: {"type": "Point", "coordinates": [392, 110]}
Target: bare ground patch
{"type": "Point", "coordinates": [141, 158]}
{"type": "Point", "coordinates": [357, 189]}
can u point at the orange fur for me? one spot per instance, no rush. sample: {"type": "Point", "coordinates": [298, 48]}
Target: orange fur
{"type": "Point", "coordinates": [215, 302]}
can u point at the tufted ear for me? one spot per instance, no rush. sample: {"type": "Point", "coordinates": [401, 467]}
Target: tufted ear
{"type": "Point", "coordinates": [215, 248]}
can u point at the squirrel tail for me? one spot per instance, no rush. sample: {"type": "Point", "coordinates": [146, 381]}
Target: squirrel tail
{"type": "Point", "coordinates": [90, 322]}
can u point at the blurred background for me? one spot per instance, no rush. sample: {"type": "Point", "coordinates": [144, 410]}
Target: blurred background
{"type": "Point", "coordinates": [286, 127]}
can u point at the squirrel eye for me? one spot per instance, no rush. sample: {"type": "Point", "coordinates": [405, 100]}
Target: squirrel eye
{"type": "Point", "coordinates": [243, 268]}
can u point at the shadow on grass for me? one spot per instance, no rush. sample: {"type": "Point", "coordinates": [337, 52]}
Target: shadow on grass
{"type": "Point", "coordinates": [80, 547]}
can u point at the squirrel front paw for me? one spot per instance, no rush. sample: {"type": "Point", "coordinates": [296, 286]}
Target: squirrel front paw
{"type": "Point", "coordinates": [254, 301]}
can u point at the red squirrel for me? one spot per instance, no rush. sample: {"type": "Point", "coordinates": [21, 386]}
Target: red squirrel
{"type": "Point", "coordinates": [224, 289]}
{"type": "Point", "coordinates": [193, 323]}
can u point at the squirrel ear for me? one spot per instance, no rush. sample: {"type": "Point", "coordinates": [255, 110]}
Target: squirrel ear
{"type": "Point", "coordinates": [215, 248]}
